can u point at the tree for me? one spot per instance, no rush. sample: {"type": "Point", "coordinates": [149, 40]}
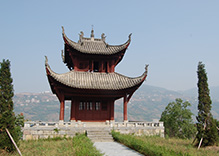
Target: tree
{"type": "Point", "coordinates": [206, 125]}
{"type": "Point", "coordinates": [19, 122]}
{"type": "Point", "coordinates": [7, 116]}
{"type": "Point", "coordinates": [178, 120]}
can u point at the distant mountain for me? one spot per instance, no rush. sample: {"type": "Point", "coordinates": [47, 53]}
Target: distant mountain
{"type": "Point", "coordinates": [214, 92]}
{"type": "Point", "coordinates": [147, 104]}
{"type": "Point", "coordinates": [37, 106]}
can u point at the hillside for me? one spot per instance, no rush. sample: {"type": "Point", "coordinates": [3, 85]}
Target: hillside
{"type": "Point", "coordinates": [145, 105]}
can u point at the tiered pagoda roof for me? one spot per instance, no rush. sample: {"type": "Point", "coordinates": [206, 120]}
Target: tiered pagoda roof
{"type": "Point", "coordinates": [95, 46]}
{"type": "Point", "coordinates": [90, 80]}
{"type": "Point", "coordinates": [96, 80]}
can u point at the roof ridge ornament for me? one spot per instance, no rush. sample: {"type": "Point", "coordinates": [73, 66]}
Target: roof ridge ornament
{"type": "Point", "coordinates": [103, 37]}
{"type": "Point", "coordinates": [92, 32]}
{"type": "Point", "coordinates": [63, 30]}
{"type": "Point", "coordinates": [130, 36]}
{"type": "Point", "coordinates": [46, 61]}
{"type": "Point", "coordinates": [81, 35]}
{"type": "Point", "coordinates": [146, 68]}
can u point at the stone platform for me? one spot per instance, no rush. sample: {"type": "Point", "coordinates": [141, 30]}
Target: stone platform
{"type": "Point", "coordinates": [39, 130]}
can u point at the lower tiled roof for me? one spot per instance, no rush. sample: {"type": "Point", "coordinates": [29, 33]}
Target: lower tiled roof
{"type": "Point", "coordinates": [95, 80]}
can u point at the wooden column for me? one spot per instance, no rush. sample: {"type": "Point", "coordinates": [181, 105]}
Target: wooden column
{"type": "Point", "coordinates": [111, 110]}
{"type": "Point", "coordinates": [102, 64]}
{"type": "Point", "coordinates": [108, 67]}
{"type": "Point", "coordinates": [92, 65]}
{"type": "Point", "coordinates": [113, 66]}
{"type": "Point", "coordinates": [127, 97]}
{"type": "Point", "coordinates": [72, 109]}
{"type": "Point", "coordinates": [125, 114]}
{"type": "Point", "coordinates": [62, 108]}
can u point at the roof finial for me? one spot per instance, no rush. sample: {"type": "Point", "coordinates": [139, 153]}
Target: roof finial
{"type": "Point", "coordinates": [103, 37]}
{"type": "Point", "coordinates": [92, 31]}
{"type": "Point", "coordinates": [81, 35]}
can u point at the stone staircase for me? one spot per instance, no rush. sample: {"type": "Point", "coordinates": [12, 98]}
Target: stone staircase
{"type": "Point", "coordinates": [99, 135]}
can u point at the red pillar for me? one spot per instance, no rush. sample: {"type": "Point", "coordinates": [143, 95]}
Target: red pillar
{"type": "Point", "coordinates": [72, 110]}
{"type": "Point", "coordinates": [125, 116]}
{"type": "Point", "coordinates": [112, 66]}
{"type": "Point", "coordinates": [62, 108]}
{"type": "Point", "coordinates": [108, 67]}
{"type": "Point", "coordinates": [92, 65]}
{"type": "Point", "coordinates": [102, 64]}
{"type": "Point", "coordinates": [112, 110]}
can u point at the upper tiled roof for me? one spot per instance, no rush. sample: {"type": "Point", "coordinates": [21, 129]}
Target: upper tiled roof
{"type": "Point", "coordinates": [95, 46]}
{"type": "Point", "coordinates": [95, 80]}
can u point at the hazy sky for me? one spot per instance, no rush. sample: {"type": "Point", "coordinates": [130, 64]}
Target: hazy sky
{"type": "Point", "coordinates": [171, 36]}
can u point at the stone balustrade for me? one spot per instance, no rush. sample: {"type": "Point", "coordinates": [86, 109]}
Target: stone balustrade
{"type": "Point", "coordinates": [138, 124]}
{"type": "Point", "coordinates": [41, 124]}
{"type": "Point", "coordinates": [38, 130]}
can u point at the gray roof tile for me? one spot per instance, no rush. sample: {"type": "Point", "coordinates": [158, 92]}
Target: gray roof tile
{"type": "Point", "coordinates": [96, 80]}
{"type": "Point", "coordinates": [95, 46]}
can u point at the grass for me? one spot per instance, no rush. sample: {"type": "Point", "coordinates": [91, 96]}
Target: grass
{"type": "Point", "coordinates": [80, 145]}
{"type": "Point", "coordinates": [84, 147]}
{"type": "Point", "coordinates": [156, 146]}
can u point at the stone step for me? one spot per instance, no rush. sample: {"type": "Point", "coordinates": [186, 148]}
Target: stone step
{"type": "Point", "coordinates": [99, 135]}
{"type": "Point", "coordinates": [98, 132]}
{"type": "Point", "coordinates": [102, 140]}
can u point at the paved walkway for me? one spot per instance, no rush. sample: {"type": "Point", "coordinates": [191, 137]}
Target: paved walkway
{"type": "Point", "coordinates": [115, 149]}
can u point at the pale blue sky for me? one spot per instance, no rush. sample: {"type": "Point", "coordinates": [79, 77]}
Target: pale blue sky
{"type": "Point", "coordinates": [171, 36]}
